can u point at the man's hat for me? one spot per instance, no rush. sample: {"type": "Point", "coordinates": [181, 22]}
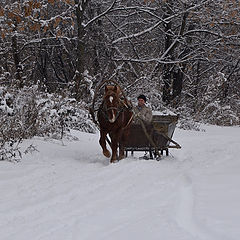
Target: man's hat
{"type": "Point", "coordinates": [142, 97]}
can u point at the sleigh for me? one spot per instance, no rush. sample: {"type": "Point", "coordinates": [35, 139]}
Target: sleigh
{"type": "Point", "coordinates": [154, 138]}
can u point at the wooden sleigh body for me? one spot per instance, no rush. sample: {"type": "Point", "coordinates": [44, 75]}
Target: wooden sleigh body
{"type": "Point", "coordinates": [160, 130]}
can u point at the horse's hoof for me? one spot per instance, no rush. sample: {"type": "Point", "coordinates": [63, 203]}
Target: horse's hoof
{"type": "Point", "coordinates": [121, 157]}
{"type": "Point", "coordinates": [114, 161]}
{"type": "Point", "coordinates": [107, 154]}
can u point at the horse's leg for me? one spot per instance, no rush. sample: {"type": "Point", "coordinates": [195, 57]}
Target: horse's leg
{"type": "Point", "coordinates": [115, 140]}
{"type": "Point", "coordinates": [116, 137]}
{"type": "Point", "coordinates": [122, 144]}
{"type": "Point", "coordinates": [114, 148]}
{"type": "Point", "coordinates": [121, 150]}
{"type": "Point", "coordinates": [125, 133]}
{"type": "Point", "coordinates": [102, 142]}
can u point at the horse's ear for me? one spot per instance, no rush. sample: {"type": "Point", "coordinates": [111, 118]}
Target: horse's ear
{"type": "Point", "coordinates": [106, 88]}
{"type": "Point", "coordinates": [115, 88]}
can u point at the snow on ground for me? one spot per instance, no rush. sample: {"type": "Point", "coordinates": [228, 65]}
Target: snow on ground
{"type": "Point", "coordinates": [69, 191]}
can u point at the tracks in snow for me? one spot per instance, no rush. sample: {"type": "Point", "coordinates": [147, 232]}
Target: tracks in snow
{"type": "Point", "coordinates": [185, 216]}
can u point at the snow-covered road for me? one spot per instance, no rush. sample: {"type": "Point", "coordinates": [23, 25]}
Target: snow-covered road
{"type": "Point", "coordinates": [70, 191]}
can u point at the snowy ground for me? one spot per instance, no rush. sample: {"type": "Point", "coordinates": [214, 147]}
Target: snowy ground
{"type": "Point", "coordinates": [71, 192]}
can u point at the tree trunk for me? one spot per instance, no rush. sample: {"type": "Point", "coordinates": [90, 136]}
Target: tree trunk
{"type": "Point", "coordinates": [172, 75]}
{"type": "Point", "coordinates": [166, 97]}
{"type": "Point", "coordinates": [80, 8]}
{"type": "Point", "coordinates": [177, 83]}
{"type": "Point", "coordinates": [17, 61]}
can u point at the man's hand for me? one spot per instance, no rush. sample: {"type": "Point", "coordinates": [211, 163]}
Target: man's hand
{"type": "Point", "coordinates": [137, 114]}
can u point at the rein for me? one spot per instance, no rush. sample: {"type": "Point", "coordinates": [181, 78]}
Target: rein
{"type": "Point", "coordinates": [129, 121]}
{"type": "Point", "coordinates": [118, 109]}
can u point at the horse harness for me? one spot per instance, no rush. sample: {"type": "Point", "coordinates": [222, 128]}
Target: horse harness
{"type": "Point", "coordinates": [123, 106]}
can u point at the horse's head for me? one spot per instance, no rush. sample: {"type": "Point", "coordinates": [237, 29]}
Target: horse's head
{"type": "Point", "coordinates": [111, 102]}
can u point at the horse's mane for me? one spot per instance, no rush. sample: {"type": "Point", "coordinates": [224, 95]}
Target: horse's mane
{"type": "Point", "coordinates": [113, 89]}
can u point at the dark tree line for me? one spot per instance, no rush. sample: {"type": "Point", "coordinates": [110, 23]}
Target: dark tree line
{"type": "Point", "coordinates": [182, 54]}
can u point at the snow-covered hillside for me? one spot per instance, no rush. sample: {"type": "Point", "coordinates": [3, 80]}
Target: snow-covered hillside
{"type": "Point", "coordinates": [69, 191]}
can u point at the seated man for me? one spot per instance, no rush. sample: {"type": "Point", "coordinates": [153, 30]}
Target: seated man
{"type": "Point", "coordinates": [142, 111]}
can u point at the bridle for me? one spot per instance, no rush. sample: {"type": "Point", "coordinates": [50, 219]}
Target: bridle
{"type": "Point", "coordinates": [106, 109]}
{"type": "Point", "coordinates": [126, 104]}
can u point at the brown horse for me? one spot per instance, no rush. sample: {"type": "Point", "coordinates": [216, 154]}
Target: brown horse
{"type": "Point", "coordinates": [114, 117]}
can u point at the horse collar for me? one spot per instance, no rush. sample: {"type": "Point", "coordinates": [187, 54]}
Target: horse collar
{"type": "Point", "coordinates": [105, 109]}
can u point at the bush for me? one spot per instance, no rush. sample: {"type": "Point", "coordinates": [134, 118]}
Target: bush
{"type": "Point", "coordinates": [27, 112]}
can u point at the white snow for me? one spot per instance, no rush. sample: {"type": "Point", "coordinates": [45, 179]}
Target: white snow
{"type": "Point", "coordinates": [69, 191]}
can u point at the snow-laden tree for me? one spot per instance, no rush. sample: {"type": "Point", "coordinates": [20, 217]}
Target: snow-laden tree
{"type": "Point", "coordinates": [171, 48]}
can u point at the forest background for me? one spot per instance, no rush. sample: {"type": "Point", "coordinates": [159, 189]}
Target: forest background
{"type": "Point", "coordinates": [183, 55]}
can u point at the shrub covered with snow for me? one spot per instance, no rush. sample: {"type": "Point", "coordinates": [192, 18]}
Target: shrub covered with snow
{"type": "Point", "coordinates": [27, 112]}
